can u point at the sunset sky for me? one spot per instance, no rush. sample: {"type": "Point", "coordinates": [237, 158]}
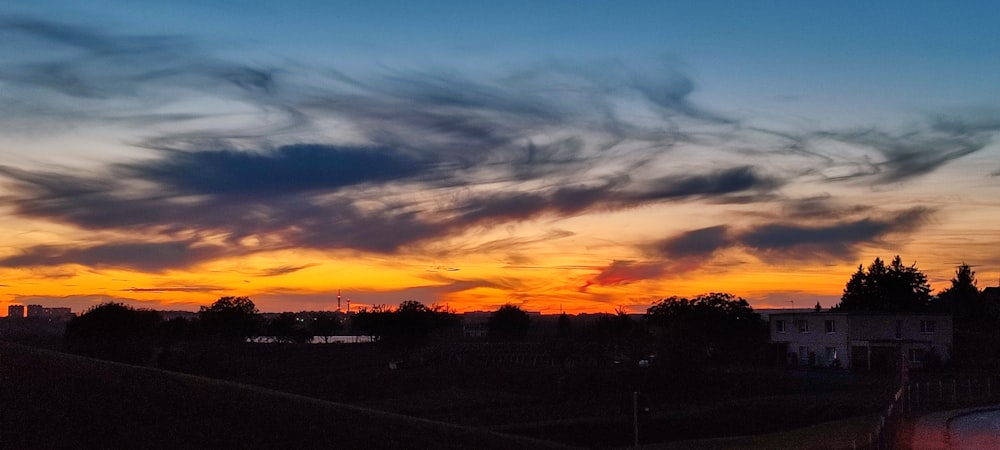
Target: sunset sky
{"type": "Point", "coordinates": [556, 154]}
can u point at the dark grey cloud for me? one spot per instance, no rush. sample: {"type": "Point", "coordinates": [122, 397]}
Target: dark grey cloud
{"type": "Point", "coordinates": [142, 256]}
{"type": "Point", "coordinates": [838, 240]}
{"type": "Point", "coordinates": [613, 194]}
{"type": "Point", "coordinates": [820, 208]}
{"type": "Point", "coordinates": [699, 243]}
{"type": "Point", "coordinates": [720, 183]}
{"type": "Point", "coordinates": [292, 208]}
{"type": "Point", "coordinates": [967, 123]}
{"type": "Point", "coordinates": [512, 206]}
{"type": "Point", "coordinates": [795, 240]}
{"type": "Point", "coordinates": [288, 169]}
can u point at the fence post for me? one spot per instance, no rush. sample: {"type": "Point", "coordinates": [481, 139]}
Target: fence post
{"type": "Point", "coordinates": [954, 391]}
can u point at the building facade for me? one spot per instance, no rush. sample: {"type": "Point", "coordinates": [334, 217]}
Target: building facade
{"type": "Point", "coordinates": [865, 340]}
{"type": "Point", "coordinates": [15, 311]}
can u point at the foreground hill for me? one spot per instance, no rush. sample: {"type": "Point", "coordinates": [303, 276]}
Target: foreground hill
{"type": "Point", "coordinates": [54, 400]}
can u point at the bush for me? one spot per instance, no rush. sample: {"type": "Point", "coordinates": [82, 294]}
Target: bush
{"type": "Point", "coordinates": [114, 331]}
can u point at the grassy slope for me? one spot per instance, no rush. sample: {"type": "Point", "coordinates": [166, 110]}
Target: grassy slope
{"type": "Point", "coordinates": [54, 400]}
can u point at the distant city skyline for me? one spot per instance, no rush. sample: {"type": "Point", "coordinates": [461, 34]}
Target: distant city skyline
{"type": "Point", "coordinates": [554, 155]}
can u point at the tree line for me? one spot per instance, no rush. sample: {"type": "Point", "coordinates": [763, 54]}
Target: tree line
{"type": "Point", "coordinates": [717, 328]}
{"type": "Point", "coordinates": [707, 327]}
{"type": "Point", "coordinates": [896, 287]}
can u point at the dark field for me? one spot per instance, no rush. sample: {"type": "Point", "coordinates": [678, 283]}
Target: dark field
{"type": "Point", "coordinates": [583, 406]}
{"type": "Point", "coordinates": [51, 400]}
{"type": "Point", "coordinates": [348, 397]}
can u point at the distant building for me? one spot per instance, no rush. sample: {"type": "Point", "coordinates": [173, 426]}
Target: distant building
{"type": "Point", "coordinates": [170, 315]}
{"type": "Point", "coordinates": [991, 293]}
{"type": "Point", "coordinates": [475, 324]}
{"type": "Point", "coordinates": [41, 312]}
{"type": "Point", "coordinates": [864, 340]}
{"type": "Point", "coordinates": [35, 310]}
{"type": "Point", "coordinates": [15, 311]}
{"type": "Point", "coordinates": [58, 313]}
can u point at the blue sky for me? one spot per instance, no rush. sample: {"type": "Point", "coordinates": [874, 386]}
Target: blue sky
{"type": "Point", "coordinates": [835, 60]}
{"type": "Point", "coordinates": [591, 153]}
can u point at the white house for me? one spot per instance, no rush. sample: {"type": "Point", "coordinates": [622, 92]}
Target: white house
{"type": "Point", "coordinates": [871, 340]}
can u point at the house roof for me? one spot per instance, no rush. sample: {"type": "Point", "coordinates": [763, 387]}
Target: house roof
{"type": "Point", "coordinates": [860, 313]}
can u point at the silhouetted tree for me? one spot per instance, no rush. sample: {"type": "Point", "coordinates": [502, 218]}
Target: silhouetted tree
{"type": "Point", "coordinates": [622, 337]}
{"type": "Point", "coordinates": [610, 328]}
{"type": "Point", "coordinates": [963, 299]}
{"type": "Point", "coordinates": [326, 324]}
{"type": "Point", "coordinates": [509, 322]}
{"type": "Point", "coordinates": [286, 327]}
{"type": "Point", "coordinates": [409, 323]}
{"type": "Point", "coordinates": [371, 322]}
{"type": "Point", "coordinates": [886, 288]}
{"type": "Point", "coordinates": [564, 326]}
{"type": "Point", "coordinates": [717, 326]}
{"type": "Point", "coordinates": [174, 330]}
{"type": "Point", "coordinates": [113, 331]}
{"type": "Point", "coordinates": [233, 318]}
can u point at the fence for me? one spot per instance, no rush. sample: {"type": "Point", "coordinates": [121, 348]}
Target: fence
{"type": "Point", "coordinates": [926, 395]}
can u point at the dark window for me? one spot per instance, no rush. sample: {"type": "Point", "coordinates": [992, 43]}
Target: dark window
{"type": "Point", "coordinates": [803, 326]}
{"type": "Point", "coordinates": [831, 326]}
{"type": "Point", "coordinates": [779, 326]}
{"type": "Point", "coordinates": [928, 326]}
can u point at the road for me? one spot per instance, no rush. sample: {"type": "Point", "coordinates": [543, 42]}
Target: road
{"type": "Point", "coordinates": [979, 430]}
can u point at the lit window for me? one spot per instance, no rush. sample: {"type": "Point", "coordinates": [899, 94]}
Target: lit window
{"type": "Point", "coordinates": [928, 326]}
{"type": "Point", "coordinates": [831, 326]}
{"type": "Point", "coordinates": [831, 354]}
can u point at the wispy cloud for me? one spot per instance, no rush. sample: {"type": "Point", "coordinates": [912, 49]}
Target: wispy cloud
{"type": "Point", "coordinates": [428, 154]}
